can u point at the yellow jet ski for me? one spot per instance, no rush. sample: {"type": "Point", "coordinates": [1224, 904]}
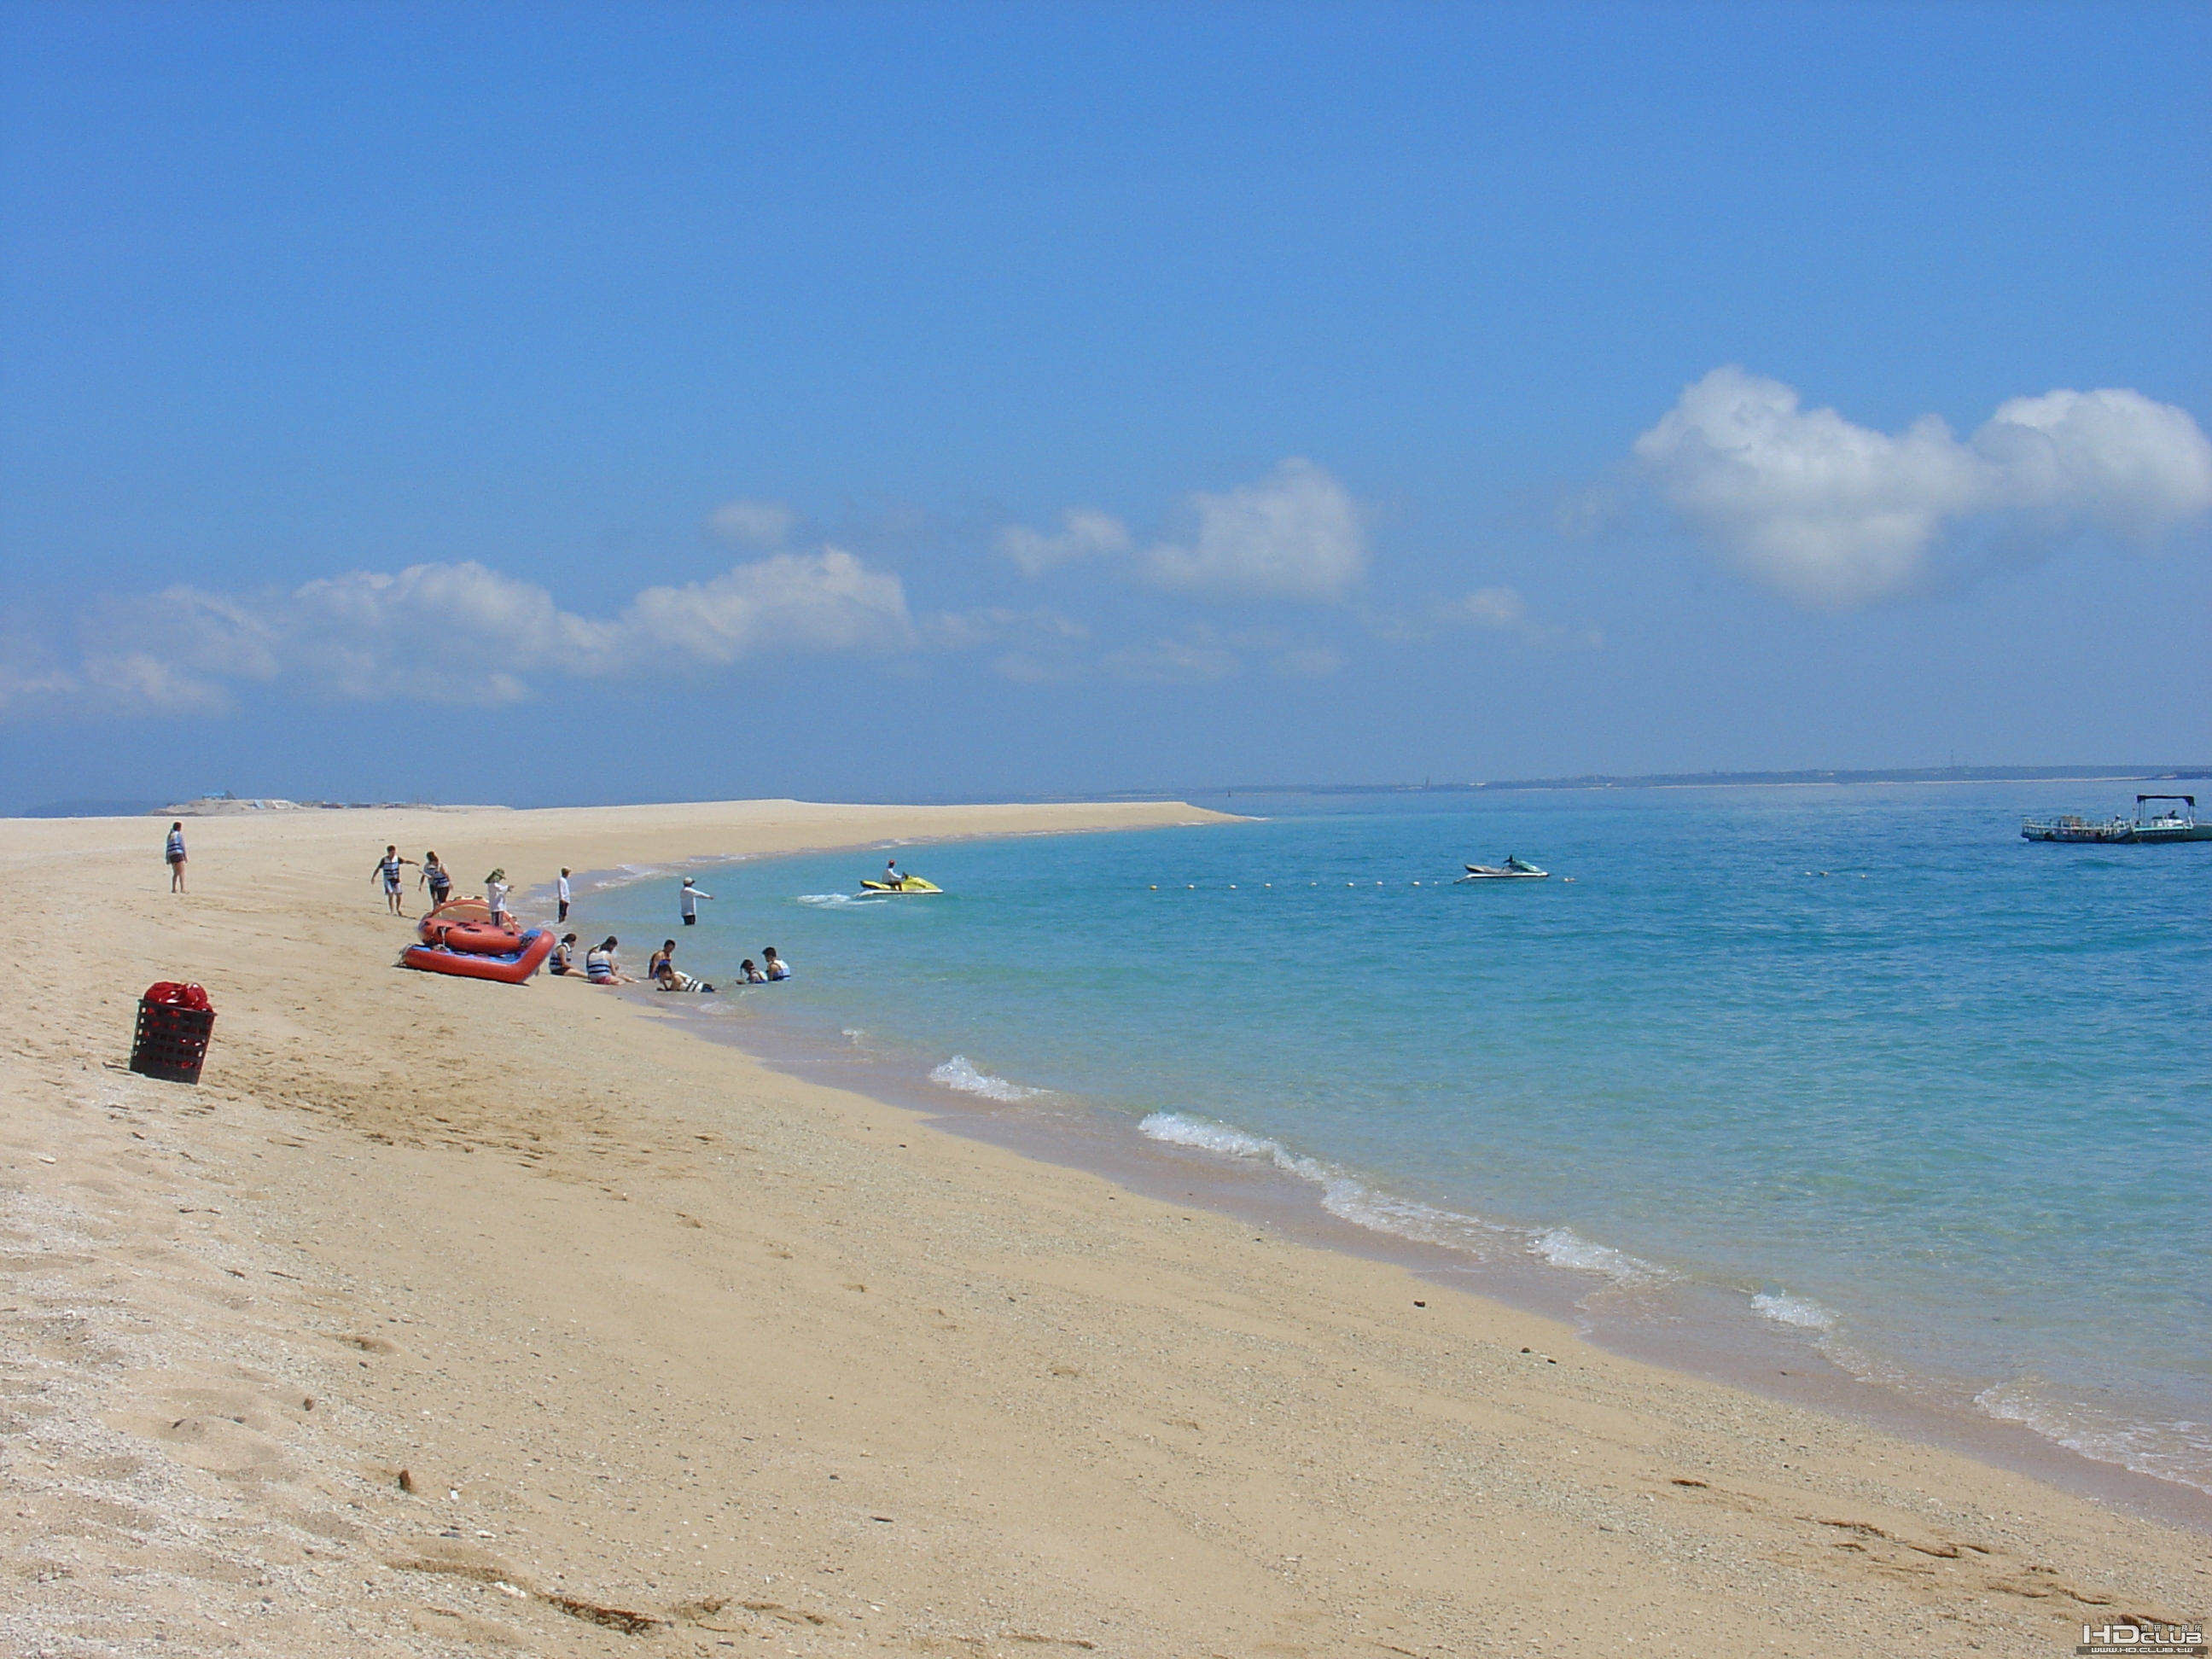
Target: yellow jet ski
{"type": "Point", "coordinates": [903, 885]}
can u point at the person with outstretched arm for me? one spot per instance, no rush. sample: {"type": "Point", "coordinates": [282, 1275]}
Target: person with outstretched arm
{"type": "Point", "coordinates": [687, 900]}
{"type": "Point", "coordinates": [389, 868]}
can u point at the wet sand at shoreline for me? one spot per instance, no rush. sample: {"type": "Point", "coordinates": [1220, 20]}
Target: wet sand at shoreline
{"type": "Point", "coordinates": [680, 1354]}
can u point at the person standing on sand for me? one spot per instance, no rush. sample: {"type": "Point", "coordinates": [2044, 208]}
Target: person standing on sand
{"type": "Point", "coordinates": [389, 867]}
{"type": "Point", "coordinates": [560, 894]}
{"type": "Point", "coordinates": [495, 897]}
{"type": "Point", "coordinates": [175, 855]}
{"type": "Point", "coordinates": [687, 900]}
{"type": "Point", "coordinates": [436, 877]}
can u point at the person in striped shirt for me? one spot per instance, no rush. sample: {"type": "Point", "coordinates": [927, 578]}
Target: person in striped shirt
{"type": "Point", "coordinates": [389, 868]}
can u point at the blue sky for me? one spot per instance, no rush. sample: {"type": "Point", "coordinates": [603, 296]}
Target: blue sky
{"type": "Point", "coordinates": [568, 403]}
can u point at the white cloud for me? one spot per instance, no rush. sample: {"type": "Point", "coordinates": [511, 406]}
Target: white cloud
{"type": "Point", "coordinates": [449, 633]}
{"type": "Point", "coordinates": [1492, 607]}
{"type": "Point", "coordinates": [1085, 533]}
{"type": "Point", "coordinates": [1309, 662]}
{"type": "Point", "coordinates": [1195, 658]}
{"type": "Point", "coordinates": [1834, 515]}
{"type": "Point", "coordinates": [1295, 534]}
{"type": "Point", "coordinates": [825, 601]}
{"type": "Point", "coordinates": [752, 524]}
{"type": "Point", "coordinates": [960, 630]}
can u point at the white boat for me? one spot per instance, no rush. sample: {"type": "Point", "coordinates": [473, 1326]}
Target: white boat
{"type": "Point", "coordinates": [1512, 870]}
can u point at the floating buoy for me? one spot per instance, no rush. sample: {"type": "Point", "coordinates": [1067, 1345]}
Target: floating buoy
{"type": "Point", "coordinates": [1232, 886]}
{"type": "Point", "coordinates": [1155, 887]}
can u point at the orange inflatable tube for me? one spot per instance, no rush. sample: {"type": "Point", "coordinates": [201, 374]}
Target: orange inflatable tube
{"type": "Point", "coordinates": [464, 924]}
{"type": "Point", "coordinates": [524, 957]}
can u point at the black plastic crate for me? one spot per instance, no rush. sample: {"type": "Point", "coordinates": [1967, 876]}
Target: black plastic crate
{"type": "Point", "coordinates": [171, 1042]}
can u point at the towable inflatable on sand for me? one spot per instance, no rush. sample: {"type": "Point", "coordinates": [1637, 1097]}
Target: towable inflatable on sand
{"type": "Point", "coordinates": [458, 938]}
{"type": "Point", "coordinates": [508, 967]}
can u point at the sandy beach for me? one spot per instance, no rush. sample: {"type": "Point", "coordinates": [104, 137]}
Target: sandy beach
{"type": "Point", "coordinates": [449, 1317]}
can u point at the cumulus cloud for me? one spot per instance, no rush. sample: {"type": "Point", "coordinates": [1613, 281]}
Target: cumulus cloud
{"type": "Point", "coordinates": [449, 633]}
{"type": "Point", "coordinates": [825, 601]}
{"type": "Point", "coordinates": [1295, 534]}
{"type": "Point", "coordinates": [1085, 533]}
{"type": "Point", "coordinates": [1834, 515]}
{"type": "Point", "coordinates": [752, 524]}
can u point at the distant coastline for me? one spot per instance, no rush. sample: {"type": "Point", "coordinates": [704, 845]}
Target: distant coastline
{"type": "Point", "coordinates": [2112, 773]}
{"type": "Point", "coordinates": [225, 806]}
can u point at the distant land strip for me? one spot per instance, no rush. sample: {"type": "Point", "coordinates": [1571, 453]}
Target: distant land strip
{"type": "Point", "coordinates": [2115, 773]}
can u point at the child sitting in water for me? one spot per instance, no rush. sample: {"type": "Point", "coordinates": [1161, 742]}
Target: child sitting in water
{"type": "Point", "coordinates": [775, 966]}
{"type": "Point", "coordinates": [753, 975]}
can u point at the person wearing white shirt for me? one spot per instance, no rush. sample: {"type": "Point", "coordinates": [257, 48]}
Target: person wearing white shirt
{"type": "Point", "coordinates": [496, 891]}
{"type": "Point", "coordinates": [687, 900]}
{"type": "Point", "coordinates": [560, 893]}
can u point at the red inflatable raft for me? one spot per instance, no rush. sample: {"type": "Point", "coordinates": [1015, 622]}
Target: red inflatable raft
{"type": "Point", "coordinates": [524, 955]}
{"type": "Point", "coordinates": [464, 924]}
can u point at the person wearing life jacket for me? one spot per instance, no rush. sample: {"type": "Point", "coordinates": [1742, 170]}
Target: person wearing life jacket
{"type": "Point", "coordinates": [175, 854]}
{"type": "Point", "coordinates": [600, 964]}
{"type": "Point", "coordinates": [389, 868]}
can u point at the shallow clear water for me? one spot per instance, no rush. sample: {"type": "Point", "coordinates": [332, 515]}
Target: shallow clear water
{"type": "Point", "coordinates": [1859, 1058]}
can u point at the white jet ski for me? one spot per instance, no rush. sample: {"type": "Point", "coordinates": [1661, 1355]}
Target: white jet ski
{"type": "Point", "coordinates": [1512, 870]}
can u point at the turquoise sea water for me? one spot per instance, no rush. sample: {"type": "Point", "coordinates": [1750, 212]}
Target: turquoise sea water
{"type": "Point", "coordinates": [1859, 1061]}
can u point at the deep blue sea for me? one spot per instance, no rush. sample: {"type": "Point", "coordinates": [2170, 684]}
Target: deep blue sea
{"type": "Point", "coordinates": [1859, 1061]}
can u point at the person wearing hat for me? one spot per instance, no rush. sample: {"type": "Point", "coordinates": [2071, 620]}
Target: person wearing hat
{"type": "Point", "coordinates": [495, 897]}
{"type": "Point", "coordinates": [687, 900]}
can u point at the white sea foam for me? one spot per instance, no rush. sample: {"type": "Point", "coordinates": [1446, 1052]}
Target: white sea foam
{"type": "Point", "coordinates": [836, 900]}
{"type": "Point", "coordinates": [2180, 1451]}
{"type": "Point", "coordinates": [1347, 1197]}
{"type": "Point", "coordinates": [958, 1073]}
{"type": "Point", "coordinates": [1785, 1308]}
{"type": "Point", "coordinates": [1562, 1247]}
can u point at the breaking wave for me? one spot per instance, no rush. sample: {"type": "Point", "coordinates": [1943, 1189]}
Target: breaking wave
{"type": "Point", "coordinates": [1347, 1197]}
{"type": "Point", "coordinates": [958, 1073]}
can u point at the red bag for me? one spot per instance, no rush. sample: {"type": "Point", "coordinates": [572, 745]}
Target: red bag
{"type": "Point", "coordinates": [171, 994]}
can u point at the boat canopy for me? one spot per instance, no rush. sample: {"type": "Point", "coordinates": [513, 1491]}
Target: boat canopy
{"type": "Point", "coordinates": [2191, 800]}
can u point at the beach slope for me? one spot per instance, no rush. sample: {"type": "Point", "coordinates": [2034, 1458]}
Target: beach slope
{"type": "Point", "coordinates": [449, 1317]}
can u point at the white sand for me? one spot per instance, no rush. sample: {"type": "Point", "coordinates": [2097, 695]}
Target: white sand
{"type": "Point", "coordinates": [782, 1369]}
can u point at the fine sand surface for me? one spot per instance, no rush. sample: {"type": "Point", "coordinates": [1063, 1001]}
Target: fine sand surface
{"type": "Point", "coordinates": [446, 1317]}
